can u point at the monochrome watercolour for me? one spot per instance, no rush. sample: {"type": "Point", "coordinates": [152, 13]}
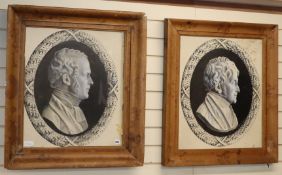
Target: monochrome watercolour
{"type": "Point", "coordinates": [73, 88]}
{"type": "Point", "coordinates": [220, 93]}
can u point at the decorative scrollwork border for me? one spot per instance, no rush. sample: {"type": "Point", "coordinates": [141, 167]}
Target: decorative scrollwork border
{"type": "Point", "coordinates": [29, 100]}
{"type": "Point", "coordinates": [185, 91]}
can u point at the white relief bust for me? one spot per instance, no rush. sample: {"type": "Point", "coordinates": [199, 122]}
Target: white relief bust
{"type": "Point", "coordinates": [69, 76]}
{"type": "Point", "coordinates": [221, 83]}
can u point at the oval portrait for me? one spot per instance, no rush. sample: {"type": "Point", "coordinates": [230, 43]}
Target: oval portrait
{"type": "Point", "coordinates": [71, 88]}
{"type": "Point", "coordinates": [220, 91]}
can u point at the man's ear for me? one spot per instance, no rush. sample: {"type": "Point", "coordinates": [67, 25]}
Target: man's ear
{"type": "Point", "coordinates": [218, 88]}
{"type": "Point", "coordinates": [66, 79]}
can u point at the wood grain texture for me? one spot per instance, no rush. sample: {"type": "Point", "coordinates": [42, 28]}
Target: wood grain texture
{"type": "Point", "coordinates": [151, 168]}
{"type": "Point", "coordinates": [131, 153]}
{"type": "Point", "coordinates": [172, 155]}
{"type": "Point", "coordinates": [158, 12]}
{"type": "Point", "coordinates": [153, 155]}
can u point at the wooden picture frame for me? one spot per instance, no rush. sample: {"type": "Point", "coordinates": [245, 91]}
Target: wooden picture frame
{"type": "Point", "coordinates": [191, 135]}
{"type": "Point", "coordinates": [123, 37]}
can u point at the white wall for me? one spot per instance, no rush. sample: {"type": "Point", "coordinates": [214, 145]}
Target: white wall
{"type": "Point", "coordinates": [155, 42]}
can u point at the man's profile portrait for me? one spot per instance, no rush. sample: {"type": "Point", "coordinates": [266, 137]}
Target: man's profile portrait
{"type": "Point", "coordinates": [221, 83]}
{"type": "Point", "coordinates": [69, 77]}
{"type": "Point", "coordinates": [72, 86]}
{"type": "Point", "coordinates": [220, 89]}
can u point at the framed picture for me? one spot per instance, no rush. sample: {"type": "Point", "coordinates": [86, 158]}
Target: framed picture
{"type": "Point", "coordinates": [220, 93]}
{"type": "Point", "coordinates": [75, 92]}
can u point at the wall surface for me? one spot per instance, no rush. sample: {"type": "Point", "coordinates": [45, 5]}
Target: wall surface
{"type": "Point", "coordinates": [155, 52]}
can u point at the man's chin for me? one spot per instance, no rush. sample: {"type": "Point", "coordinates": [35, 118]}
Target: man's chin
{"type": "Point", "coordinates": [234, 101]}
{"type": "Point", "coordinates": [84, 97]}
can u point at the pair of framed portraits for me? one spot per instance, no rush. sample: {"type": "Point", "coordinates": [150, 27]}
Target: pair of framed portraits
{"type": "Point", "coordinates": [76, 94]}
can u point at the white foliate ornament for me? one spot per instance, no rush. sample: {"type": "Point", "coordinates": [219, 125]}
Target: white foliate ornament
{"type": "Point", "coordinates": [192, 62]}
{"type": "Point", "coordinates": [29, 100]}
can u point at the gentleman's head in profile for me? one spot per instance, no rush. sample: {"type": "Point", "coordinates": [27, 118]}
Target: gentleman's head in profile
{"type": "Point", "coordinates": [221, 82]}
{"type": "Point", "coordinates": [69, 77]}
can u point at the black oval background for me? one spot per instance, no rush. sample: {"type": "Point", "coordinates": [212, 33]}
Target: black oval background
{"type": "Point", "coordinates": [94, 106]}
{"type": "Point", "coordinates": [244, 98]}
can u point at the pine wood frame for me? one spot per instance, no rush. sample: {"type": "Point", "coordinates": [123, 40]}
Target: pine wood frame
{"type": "Point", "coordinates": [131, 153]}
{"type": "Point", "coordinates": [171, 155]}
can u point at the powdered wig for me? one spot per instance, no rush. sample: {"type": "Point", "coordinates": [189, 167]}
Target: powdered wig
{"type": "Point", "coordinates": [217, 71]}
{"type": "Point", "coordinates": [65, 61]}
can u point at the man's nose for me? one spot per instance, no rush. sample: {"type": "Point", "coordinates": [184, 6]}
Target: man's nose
{"type": "Point", "coordinates": [90, 81]}
{"type": "Point", "coordinates": [238, 89]}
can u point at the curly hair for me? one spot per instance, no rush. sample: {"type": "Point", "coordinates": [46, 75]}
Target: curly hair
{"type": "Point", "coordinates": [65, 61]}
{"type": "Point", "coordinates": [217, 71]}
